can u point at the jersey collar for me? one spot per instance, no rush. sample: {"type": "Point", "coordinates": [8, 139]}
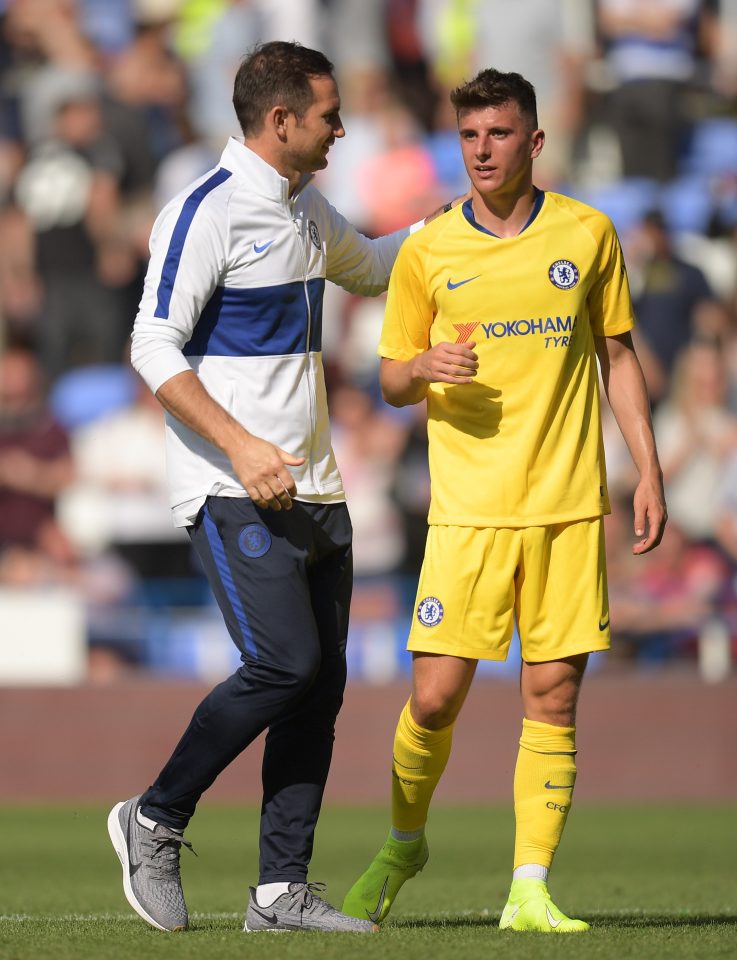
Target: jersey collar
{"type": "Point", "coordinates": [536, 207]}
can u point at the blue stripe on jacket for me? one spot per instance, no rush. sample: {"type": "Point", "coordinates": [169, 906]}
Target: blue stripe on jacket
{"type": "Point", "coordinates": [176, 244]}
{"type": "Point", "coordinates": [259, 322]}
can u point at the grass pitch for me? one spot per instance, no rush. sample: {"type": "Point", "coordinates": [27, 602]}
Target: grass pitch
{"type": "Point", "coordinates": [654, 883]}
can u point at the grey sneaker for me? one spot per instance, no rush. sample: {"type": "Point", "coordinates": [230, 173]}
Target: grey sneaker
{"type": "Point", "coordinates": [150, 860]}
{"type": "Point", "coordinates": [302, 909]}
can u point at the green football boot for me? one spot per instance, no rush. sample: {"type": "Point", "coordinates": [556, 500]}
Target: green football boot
{"type": "Point", "coordinates": [530, 908]}
{"type": "Point", "coordinates": [372, 895]}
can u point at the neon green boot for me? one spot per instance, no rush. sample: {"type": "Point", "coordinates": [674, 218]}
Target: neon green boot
{"type": "Point", "coordinates": [530, 908]}
{"type": "Point", "coordinates": [372, 895]}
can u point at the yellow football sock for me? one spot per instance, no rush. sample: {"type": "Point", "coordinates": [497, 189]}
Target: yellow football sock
{"type": "Point", "coordinates": [419, 759]}
{"type": "Point", "coordinates": [543, 787]}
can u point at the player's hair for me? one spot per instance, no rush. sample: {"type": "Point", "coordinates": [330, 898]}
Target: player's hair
{"type": "Point", "coordinates": [492, 88]}
{"type": "Point", "coordinates": [276, 73]}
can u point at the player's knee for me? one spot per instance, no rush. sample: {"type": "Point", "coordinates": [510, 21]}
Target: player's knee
{"type": "Point", "coordinates": [433, 710]}
{"type": "Point", "coordinates": [296, 675]}
{"type": "Point", "coordinates": [556, 707]}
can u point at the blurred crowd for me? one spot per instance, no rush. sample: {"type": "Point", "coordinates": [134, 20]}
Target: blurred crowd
{"type": "Point", "coordinates": [108, 108]}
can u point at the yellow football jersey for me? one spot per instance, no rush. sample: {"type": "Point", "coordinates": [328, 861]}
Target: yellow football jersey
{"type": "Point", "coordinates": [522, 445]}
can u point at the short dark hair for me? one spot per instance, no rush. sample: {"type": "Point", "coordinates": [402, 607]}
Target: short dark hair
{"type": "Point", "coordinates": [492, 88]}
{"type": "Point", "coordinates": [274, 73]}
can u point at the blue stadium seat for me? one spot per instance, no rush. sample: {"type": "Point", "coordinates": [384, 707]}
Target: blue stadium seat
{"type": "Point", "coordinates": [713, 148]}
{"type": "Point", "coordinates": [687, 205]}
{"type": "Point", "coordinates": [83, 394]}
{"type": "Point", "coordinates": [625, 201]}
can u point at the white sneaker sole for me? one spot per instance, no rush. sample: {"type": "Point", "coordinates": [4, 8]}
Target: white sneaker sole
{"type": "Point", "coordinates": [121, 848]}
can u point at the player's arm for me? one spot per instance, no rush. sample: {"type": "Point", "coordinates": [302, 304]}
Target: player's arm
{"type": "Point", "coordinates": [362, 264]}
{"type": "Point", "coordinates": [259, 465]}
{"type": "Point", "coordinates": [405, 382]}
{"type": "Point", "coordinates": [173, 298]}
{"type": "Point", "coordinates": [409, 364]}
{"type": "Point", "coordinates": [625, 388]}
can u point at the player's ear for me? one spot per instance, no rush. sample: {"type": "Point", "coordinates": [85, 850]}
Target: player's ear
{"type": "Point", "coordinates": [537, 142]}
{"type": "Point", "coordinates": [276, 120]}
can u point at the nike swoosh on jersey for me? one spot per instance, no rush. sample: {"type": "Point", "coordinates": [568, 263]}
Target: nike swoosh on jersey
{"type": "Point", "coordinates": [374, 914]}
{"type": "Point", "coordinates": [454, 286]}
{"type": "Point", "coordinates": [260, 247]}
{"type": "Point", "coordinates": [603, 624]}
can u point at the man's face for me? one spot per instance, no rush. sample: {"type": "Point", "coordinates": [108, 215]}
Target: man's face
{"type": "Point", "coordinates": [314, 133]}
{"type": "Point", "coordinates": [498, 148]}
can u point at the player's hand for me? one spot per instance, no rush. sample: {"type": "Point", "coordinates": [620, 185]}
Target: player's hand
{"type": "Point", "coordinates": [651, 515]}
{"type": "Point", "coordinates": [447, 363]}
{"type": "Point", "coordinates": [262, 469]}
{"type": "Point", "coordinates": [446, 207]}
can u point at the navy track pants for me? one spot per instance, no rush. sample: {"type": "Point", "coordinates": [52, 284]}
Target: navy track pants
{"type": "Point", "coordinates": [283, 583]}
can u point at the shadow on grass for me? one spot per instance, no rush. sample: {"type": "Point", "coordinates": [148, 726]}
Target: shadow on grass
{"type": "Point", "coordinates": [600, 921]}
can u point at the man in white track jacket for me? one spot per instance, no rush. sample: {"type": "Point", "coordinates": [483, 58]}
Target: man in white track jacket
{"type": "Point", "coordinates": [228, 336]}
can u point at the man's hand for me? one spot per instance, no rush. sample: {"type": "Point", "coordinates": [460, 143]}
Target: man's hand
{"type": "Point", "coordinates": [651, 515]}
{"type": "Point", "coordinates": [446, 363]}
{"type": "Point", "coordinates": [446, 207]}
{"type": "Point", "coordinates": [259, 465]}
{"type": "Point", "coordinates": [262, 469]}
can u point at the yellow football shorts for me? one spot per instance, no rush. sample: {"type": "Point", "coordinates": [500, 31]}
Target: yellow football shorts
{"type": "Point", "coordinates": [476, 580]}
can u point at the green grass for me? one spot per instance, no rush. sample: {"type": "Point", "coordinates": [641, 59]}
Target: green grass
{"type": "Point", "coordinates": [654, 882]}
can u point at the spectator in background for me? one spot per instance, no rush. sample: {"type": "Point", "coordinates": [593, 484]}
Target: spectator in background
{"type": "Point", "coordinates": [120, 498]}
{"type": "Point", "coordinates": [461, 38]}
{"type": "Point", "coordinates": [36, 469]}
{"type": "Point", "coordinates": [696, 432]}
{"type": "Point", "coordinates": [651, 50]}
{"type": "Point", "coordinates": [726, 509]}
{"type": "Point", "coordinates": [70, 194]}
{"type": "Point", "coordinates": [35, 466]}
{"type": "Point", "coordinates": [212, 66]}
{"type": "Point", "coordinates": [366, 442]}
{"type": "Point", "coordinates": [383, 177]}
{"type": "Point", "coordinates": [411, 492]}
{"type": "Point", "coordinates": [149, 75]}
{"type": "Point", "coordinates": [660, 611]}
{"type": "Point", "coordinates": [667, 295]}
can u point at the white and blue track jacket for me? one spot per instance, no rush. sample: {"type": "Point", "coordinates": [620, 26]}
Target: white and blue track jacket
{"type": "Point", "coordinates": [234, 292]}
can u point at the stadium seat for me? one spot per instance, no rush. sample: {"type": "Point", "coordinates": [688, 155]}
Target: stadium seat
{"type": "Point", "coordinates": [625, 201]}
{"type": "Point", "coordinates": [713, 148]}
{"type": "Point", "coordinates": [83, 394]}
{"type": "Point", "coordinates": [687, 205]}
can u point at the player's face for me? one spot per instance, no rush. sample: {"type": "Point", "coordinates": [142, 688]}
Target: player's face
{"type": "Point", "coordinates": [498, 148]}
{"type": "Point", "coordinates": [314, 133]}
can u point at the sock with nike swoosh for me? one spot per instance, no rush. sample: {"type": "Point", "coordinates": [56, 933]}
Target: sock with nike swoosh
{"type": "Point", "coordinates": [543, 788]}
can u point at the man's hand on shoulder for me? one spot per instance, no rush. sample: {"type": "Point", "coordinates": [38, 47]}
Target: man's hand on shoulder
{"type": "Point", "coordinates": [446, 207]}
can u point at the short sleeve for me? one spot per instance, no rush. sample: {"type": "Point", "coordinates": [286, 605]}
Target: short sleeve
{"type": "Point", "coordinates": [610, 301]}
{"type": "Point", "coordinates": [410, 309]}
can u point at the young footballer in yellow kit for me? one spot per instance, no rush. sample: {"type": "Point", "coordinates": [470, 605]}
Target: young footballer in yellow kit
{"type": "Point", "coordinates": [496, 314]}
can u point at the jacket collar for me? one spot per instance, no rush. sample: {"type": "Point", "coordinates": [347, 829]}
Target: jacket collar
{"type": "Point", "coordinates": [261, 178]}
